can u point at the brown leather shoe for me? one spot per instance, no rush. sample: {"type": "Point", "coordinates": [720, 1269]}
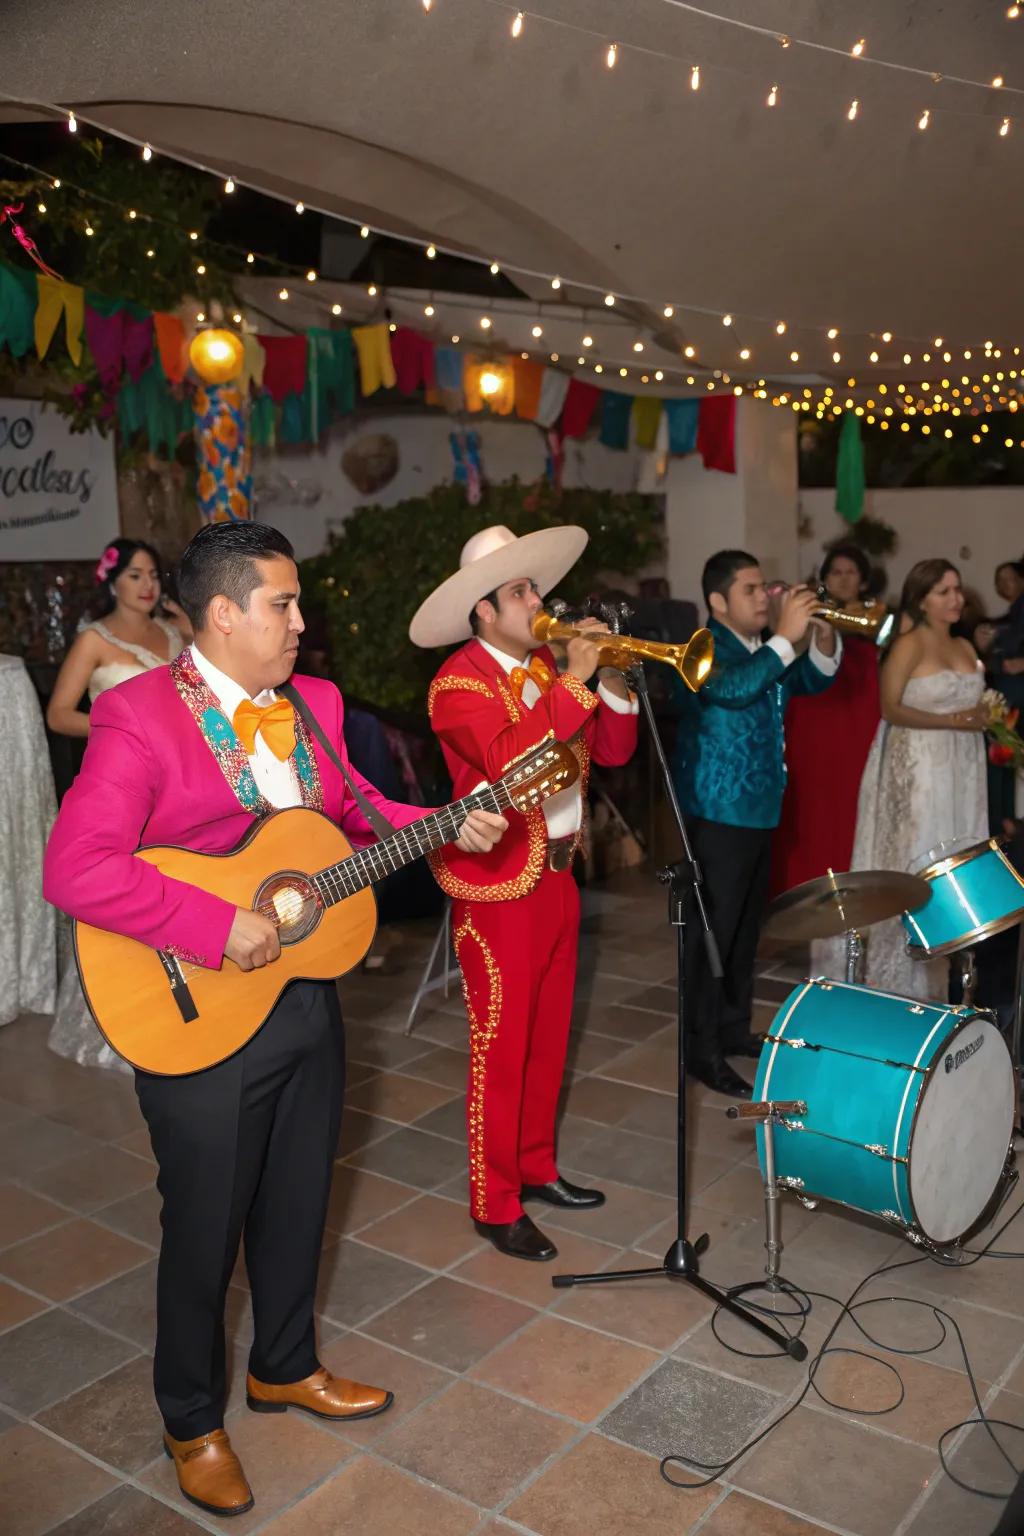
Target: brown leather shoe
{"type": "Point", "coordinates": [324, 1395]}
{"type": "Point", "coordinates": [210, 1474]}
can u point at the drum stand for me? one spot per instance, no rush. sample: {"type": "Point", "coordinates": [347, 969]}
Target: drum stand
{"type": "Point", "coordinates": [770, 1113]}
{"type": "Point", "coordinates": [854, 958]}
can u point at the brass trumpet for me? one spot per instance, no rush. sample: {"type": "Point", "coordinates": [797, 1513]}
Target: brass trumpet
{"type": "Point", "coordinates": [871, 620]}
{"type": "Point", "coordinates": [691, 661]}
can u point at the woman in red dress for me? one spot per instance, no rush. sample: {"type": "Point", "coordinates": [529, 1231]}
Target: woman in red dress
{"type": "Point", "coordinates": [828, 736]}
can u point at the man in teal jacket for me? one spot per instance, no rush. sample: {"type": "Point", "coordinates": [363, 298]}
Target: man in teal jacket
{"type": "Point", "coordinates": [730, 773]}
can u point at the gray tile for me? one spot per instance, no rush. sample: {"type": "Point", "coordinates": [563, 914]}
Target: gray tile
{"type": "Point", "coordinates": [359, 1130]}
{"type": "Point", "coordinates": [448, 1120]}
{"type": "Point", "coordinates": [357, 1280]}
{"type": "Point", "coordinates": [381, 1047]}
{"type": "Point", "coordinates": [37, 1143]}
{"type": "Point", "coordinates": [127, 1512]}
{"type": "Point", "coordinates": [136, 1216]}
{"type": "Point", "coordinates": [126, 1305]}
{"type": "Point", "coordinates": [683, 1410]}
{"type": "Point", "coordinates": [412, 1157]}
{"type": "Point", "coordinates": [114, 1419]}
{"type": "Point", "coordinates": [52, 1355]}
{"type": "Point", "coordinates": [630, 1158]}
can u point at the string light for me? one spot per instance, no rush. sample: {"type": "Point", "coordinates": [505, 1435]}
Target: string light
{"type": "Point", "coordinates": [42, 207]}
{"type": "Point", "coordinates": [623, 373]}
{"type": "Point", "coordinates": [556, 283]}
{"type": "Point", "coordinates": [311, 276]}
{"type": "Point", "coordinates": [1004, 127]}
{"type": "Point", "coordinates": [372, 290]}
{"type": "Point", "coordinates": [609, 299]}
{"type": "Point", "coordinates": [250, 258]}
{"type": "Point", "coordinates": [200, 318]}
{"type": "Point", "coordinates": [300, 207]}
{"type": "Point", "coordinates": [833, 332]}
{"type": "Point", "coordinates": [668, 311]}
{"type": "Point", "coordinates": [151, 254]}
{"type": "Point", "coordinates": [695, 78]}
{"type": "Point", "coordinates": [229, 185]}
{"type": "Point", "coordinates": [201, 270]}
{"type": "Point", "coordinates": [997, 82]}
{"type": "Point", "coordinates": [837, 357]}
{"type": "Point", "coordinates": [588, 341]}
{"type": "Point", "coordinates": [887, 336]}
{"type": "Point", "coordinates": [147, 153]}
{"type": "Point", "coordinates": [517, 24]}
{"type": "Point", "coordinates": [858, 47]}
{"type": "Point", "coordinates": [72, 123]}
{"type": "Point", "coordinates": [1012, 12]}
{"type": "Point", "coordinates": [428, 310]}
{"type": "Point", "coordinates": [364, 233]}
{"type": "Point", "coordinates": [426, 5]}
{"type": "Point", "coordinates": [924, 119]}
{"type": "Point", "coordinates": [611, 58]}
{"type": "Point", "coordinates": [56, 183]}
{"type": "Point", "coordinates": [236, 317]}
{"type": "Point", "coordinates": [283, 294]}
{"type": "Point", "coordinates": [431, 252]}
{"type": "Point", "coordinates": [794, 357]}
{"type": "Point", "coordinates": [853, 109]}
{"type": "Point", "coordinates": [495, 269]}
{"type": "Point", "coordinates": [773, 95]}
{"type": "Point", "coordinates": [335, 309]}
{"type": "Point", "coordinates": [745, 353]}
{"type": "Point", "coordinates": [537, 332]}
{"type": "Point", "coordinates": [874, 357]}
{"type": "Point", "coordinates": [89, 229]}
{"type": "Point", "coordinates": [727, 319]}
{"type": "Point", "coordinates": [659, 376]}
{"type": "Point", "coordinates": [193, 234]}
{"type": "Point", "coordinates": [485, 323]}
{"type": "Point", "coordinates": [689, 351]}
{"type": "Point", "coordinates": [132, 213]}
{"type": "Point", "coordinates": [781, 328]}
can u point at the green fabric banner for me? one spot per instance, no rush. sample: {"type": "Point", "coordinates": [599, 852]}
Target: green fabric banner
{"type": "Point", "coordinates": [850, 470]}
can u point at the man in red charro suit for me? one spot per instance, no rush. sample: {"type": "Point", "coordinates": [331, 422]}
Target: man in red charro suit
{"type": "Point", "coordinates": [515, 911]}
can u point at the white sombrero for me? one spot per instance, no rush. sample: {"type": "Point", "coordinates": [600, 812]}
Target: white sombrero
{"type": "Point", "coordinates": [489, 559]}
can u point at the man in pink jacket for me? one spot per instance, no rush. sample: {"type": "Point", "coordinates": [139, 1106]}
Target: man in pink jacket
{"type": "Point", "coordinates": [189, 755]}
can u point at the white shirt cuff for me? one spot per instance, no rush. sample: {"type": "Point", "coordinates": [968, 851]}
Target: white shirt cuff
{"type": "Point", "coordinates": [783, 649]}
{"type": "Point", "coordinates": [827, 664]}
{"type": "Point", "coordinates": [630, 706]}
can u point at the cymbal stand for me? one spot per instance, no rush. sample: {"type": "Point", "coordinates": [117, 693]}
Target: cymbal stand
{"type": "Point", "coordinates": [854, 956]}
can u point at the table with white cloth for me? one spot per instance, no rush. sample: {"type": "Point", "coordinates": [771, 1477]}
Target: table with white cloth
{"type": "Point", "coordinates": [28, 958]}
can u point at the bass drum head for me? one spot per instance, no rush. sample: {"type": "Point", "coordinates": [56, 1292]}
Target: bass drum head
{"type": "Point", "coordinates": [961, 1131]}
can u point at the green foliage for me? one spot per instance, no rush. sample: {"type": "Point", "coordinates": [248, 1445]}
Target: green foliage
{"type": "Point", "coordinates": [170, 202]}
{"type": "Point", "coordinates": [875, 537]}
{"type": "Point", "coordinates": [368, 584]}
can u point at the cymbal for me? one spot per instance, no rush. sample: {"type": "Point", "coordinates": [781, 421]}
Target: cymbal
{"type": "Point", "coordinates": [833, 904]}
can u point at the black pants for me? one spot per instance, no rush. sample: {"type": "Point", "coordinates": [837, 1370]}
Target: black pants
{"type": "Point", "coordinates": [245, 1147]}
{"type": "Point", "coordinates": [736, 864]}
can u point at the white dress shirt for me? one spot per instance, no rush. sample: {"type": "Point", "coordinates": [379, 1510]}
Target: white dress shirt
{"type": "Point", "coordinates": [564, 811]}
{"type": "Point", "coordinates": [783, 648]}
{"type": "Point", "coordinates": [276, 780]}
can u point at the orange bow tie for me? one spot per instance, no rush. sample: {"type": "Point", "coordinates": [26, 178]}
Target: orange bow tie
{"type": "Point", "coordinates": [274, 722]}
{"type": "Point", "coordinates": [537, 670]}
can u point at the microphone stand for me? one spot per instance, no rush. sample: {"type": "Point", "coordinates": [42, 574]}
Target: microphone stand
{"type": "Point", "coordinates": [683, 880]}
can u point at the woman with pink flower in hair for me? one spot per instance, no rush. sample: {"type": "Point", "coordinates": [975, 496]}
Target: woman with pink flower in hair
{"type": "Point", "coordinates": [127, 639]}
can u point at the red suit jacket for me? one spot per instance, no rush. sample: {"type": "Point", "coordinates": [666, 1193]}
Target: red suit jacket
{"type": "Point", "coordinates": [482, 727]}
{"type": "Point", "coordinates": [150, 777]}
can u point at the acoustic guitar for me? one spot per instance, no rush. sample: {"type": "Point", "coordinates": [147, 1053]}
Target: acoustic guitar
{"type": "Point", "coordinates": [296, 866]}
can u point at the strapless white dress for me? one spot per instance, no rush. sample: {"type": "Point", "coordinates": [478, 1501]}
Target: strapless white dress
{"type": "Point", "coordinates": [919, 788]}
{"type": "Point", "coordinates": [74, 1033]}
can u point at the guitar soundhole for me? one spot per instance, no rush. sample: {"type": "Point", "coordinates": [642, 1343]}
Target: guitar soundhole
{"type": "Point", "coordinates": [293, 901]}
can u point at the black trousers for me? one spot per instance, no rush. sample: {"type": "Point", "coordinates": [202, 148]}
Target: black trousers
{"type": "Point", "coordinates": [245, 1147]}
{"type": "Point", "coordinates": [736, 864]}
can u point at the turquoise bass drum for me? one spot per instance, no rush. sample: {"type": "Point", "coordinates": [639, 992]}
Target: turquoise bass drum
{"type": "Point", "coordinates": [909, 1106]}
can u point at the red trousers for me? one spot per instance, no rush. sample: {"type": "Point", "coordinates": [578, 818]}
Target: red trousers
{"type": "Point", "coordinates": [518, 961]}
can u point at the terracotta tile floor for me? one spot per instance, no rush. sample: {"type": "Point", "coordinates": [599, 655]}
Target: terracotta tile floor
{"type": "Point", "coordinates": [518, 1407]}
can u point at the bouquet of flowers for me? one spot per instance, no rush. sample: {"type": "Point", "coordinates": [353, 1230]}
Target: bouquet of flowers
{"type": "Point", "coordinates": [1006, 748]}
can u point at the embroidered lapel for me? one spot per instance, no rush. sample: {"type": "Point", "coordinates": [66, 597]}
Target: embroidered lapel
{"type": "Point", "coordinates": [229, 754]}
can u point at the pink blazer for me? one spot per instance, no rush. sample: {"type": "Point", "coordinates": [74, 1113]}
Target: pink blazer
{"type": "Point", "coordinates": [149, 777]}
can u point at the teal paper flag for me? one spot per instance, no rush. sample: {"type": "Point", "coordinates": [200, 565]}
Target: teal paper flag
{"type": "Point", "coordinates": [850, 470]}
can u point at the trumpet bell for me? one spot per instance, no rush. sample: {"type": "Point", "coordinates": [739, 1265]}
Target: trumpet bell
{"type": "Point", "coordinates": [696, 660]}
{"type": "Point", "coordinates": [691, 662]}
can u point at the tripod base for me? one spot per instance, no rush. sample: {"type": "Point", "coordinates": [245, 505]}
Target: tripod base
{"type": "Point", "coordinates": [680, 1263]}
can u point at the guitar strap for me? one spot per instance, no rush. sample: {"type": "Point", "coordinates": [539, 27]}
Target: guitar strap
{"type": "Point", "coordinates": [377, 820]}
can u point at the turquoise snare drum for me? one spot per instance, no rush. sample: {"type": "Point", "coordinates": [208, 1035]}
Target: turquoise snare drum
{"type": "Point", "coordinates": [909, 1106]}
{"type": "Point", "coordinates": [975, 892]}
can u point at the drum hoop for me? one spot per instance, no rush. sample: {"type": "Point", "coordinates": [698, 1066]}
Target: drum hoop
{"type": "Point", "coordinates": [965, 856]}
{"type": "Point", "coordinates": [986, 931]}
{"type": "Point", "coordinates": [962, 1023]}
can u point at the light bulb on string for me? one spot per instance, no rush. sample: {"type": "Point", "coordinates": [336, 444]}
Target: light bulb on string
{"type": "Point", "coordinates": [517, 24]}
{"type": "Point", "coordinates": [858, 47]}
{"type": "Point", "coordinates": [727, 320]}
{"type": "Point", "coordinates": [426, 5]}
{"type": "Point", "coordinates": [56, 183]}
{"type": "Point", "coordinates": [311, 276]}
{"type": "Point", "coordinates": [924, 119]}
{"type": "Point", "coordinates": [887, 336]}
{"type": "Point", "coordinates": [1012, 12]}
{"type": "Point", "coordinates": [72, 123]}
{"type": "Point", "coordinates": [588, 341]}
{"type": "Point", "coordinates": [201, 269]}
{"type": "Point", "coordinates": [781, 328]}
{"type": "Point", "coordinates": [229, 185]}
{"type": "Point", "coordinates": [250, 258]}
{"type": "Point", "coordinates": [147, 153]}
{"type": "Point", "coordinates": [689, 351]}
{"type": "Point", "coordinates": [1004, 127]}
{"type": "Point", "coordinates": [42, 207]}
{"type": "Point", "coordinates": [537, 332]}
{"type": "Point", "coordinates": [609, 299]}
{"type": "Point", "coordinates": [428, 310]}
{"type": "Point", "coordinates": [193, 234]}
{"type": "Point", "coordinates": [611, 58]}
{"type": "Point", "coordinates": [132, 214]}
{"type": "Point", "coordinates": [495, 269]}
{"type": "Point", "coordinates": [833, 332]}
{"type": "Point", "coordinates": [745, 354]}
{"type": "Point", "coordinates": [556, 283]}
{"type": "Point", "coordinates": [853, 109]}
{"type": "Point", "coordinates": [638, 346]}
{"type": "Point", "coordinates": [794, 357]}
{"type": "Point", "coordinates": [837, 357]}
{"type": "Point", "coordinates": [283, 293]}
{"type": "Point", "coordinates": [773, 96]}
{"type": "Point", "coordinates": [623, 373]}
{"type": "Point", "coordinates": [300, 207]}
{"type": "Point", "coordinates": [431, 252]}
{"type": "Point", "coordinates": [335, 309]}
{"type": "Point", "coordinates": [695, 78]}
{"type": "Point", "coordinates": [485, 323]}
{"type": "Point", "coordinates": [997, 82]}
{"type": "Point", "coordinates": [364, 233]}
{"type": "Point", "coordinates": [89, 229]}
{"type": "Point", "coordinates": [874, 357]}
{"type": "Point", "coordinates": [668, 311]}
{"type": "Point", "coordinates": [372, 291]}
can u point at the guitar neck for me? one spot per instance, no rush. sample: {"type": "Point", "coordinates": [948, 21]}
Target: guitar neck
{"type": "Point", "coordinates": [369, 865]}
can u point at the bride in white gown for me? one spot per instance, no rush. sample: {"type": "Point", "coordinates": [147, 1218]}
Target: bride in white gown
{"type": "Point", "coordinates": [128, 640]}
{"type": "Point", "coordinates": [924, 781]}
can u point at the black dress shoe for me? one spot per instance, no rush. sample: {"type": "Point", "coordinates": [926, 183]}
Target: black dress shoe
{"type": "Point", "coordinates": [747, 1045]}
{"type": "Point", "coordinates": [518, 1239]}
{"type": "Point", "coordinates": [560, 1192]}
{"type": "Point", "coordinates": [716, 1073]}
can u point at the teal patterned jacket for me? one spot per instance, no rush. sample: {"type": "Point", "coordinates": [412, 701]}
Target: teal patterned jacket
{"type": "Point", "coordinates": [729, 761]}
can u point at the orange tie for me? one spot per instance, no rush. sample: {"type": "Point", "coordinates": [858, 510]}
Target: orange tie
{"type": "Point", "coordinates": [537, 670]}
{"type": "Point", "coordinates": [274, 722]}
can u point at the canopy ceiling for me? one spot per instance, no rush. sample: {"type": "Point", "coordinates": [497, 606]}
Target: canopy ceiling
{"type": "Point", "coordinates": [534, 153]}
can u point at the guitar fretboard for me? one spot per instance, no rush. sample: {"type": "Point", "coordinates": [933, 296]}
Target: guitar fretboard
{"type": "Point", "coordinates": [408, 843]}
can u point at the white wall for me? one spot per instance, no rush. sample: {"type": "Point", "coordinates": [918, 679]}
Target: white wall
{"type": "Point", "coordinates": [974, 526]}
{"type": "Point", "coordinates": [508, 447]}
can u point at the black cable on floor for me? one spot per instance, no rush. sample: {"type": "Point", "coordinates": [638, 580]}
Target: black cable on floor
{"type": "Point", "coordinates": [849, 1309]}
